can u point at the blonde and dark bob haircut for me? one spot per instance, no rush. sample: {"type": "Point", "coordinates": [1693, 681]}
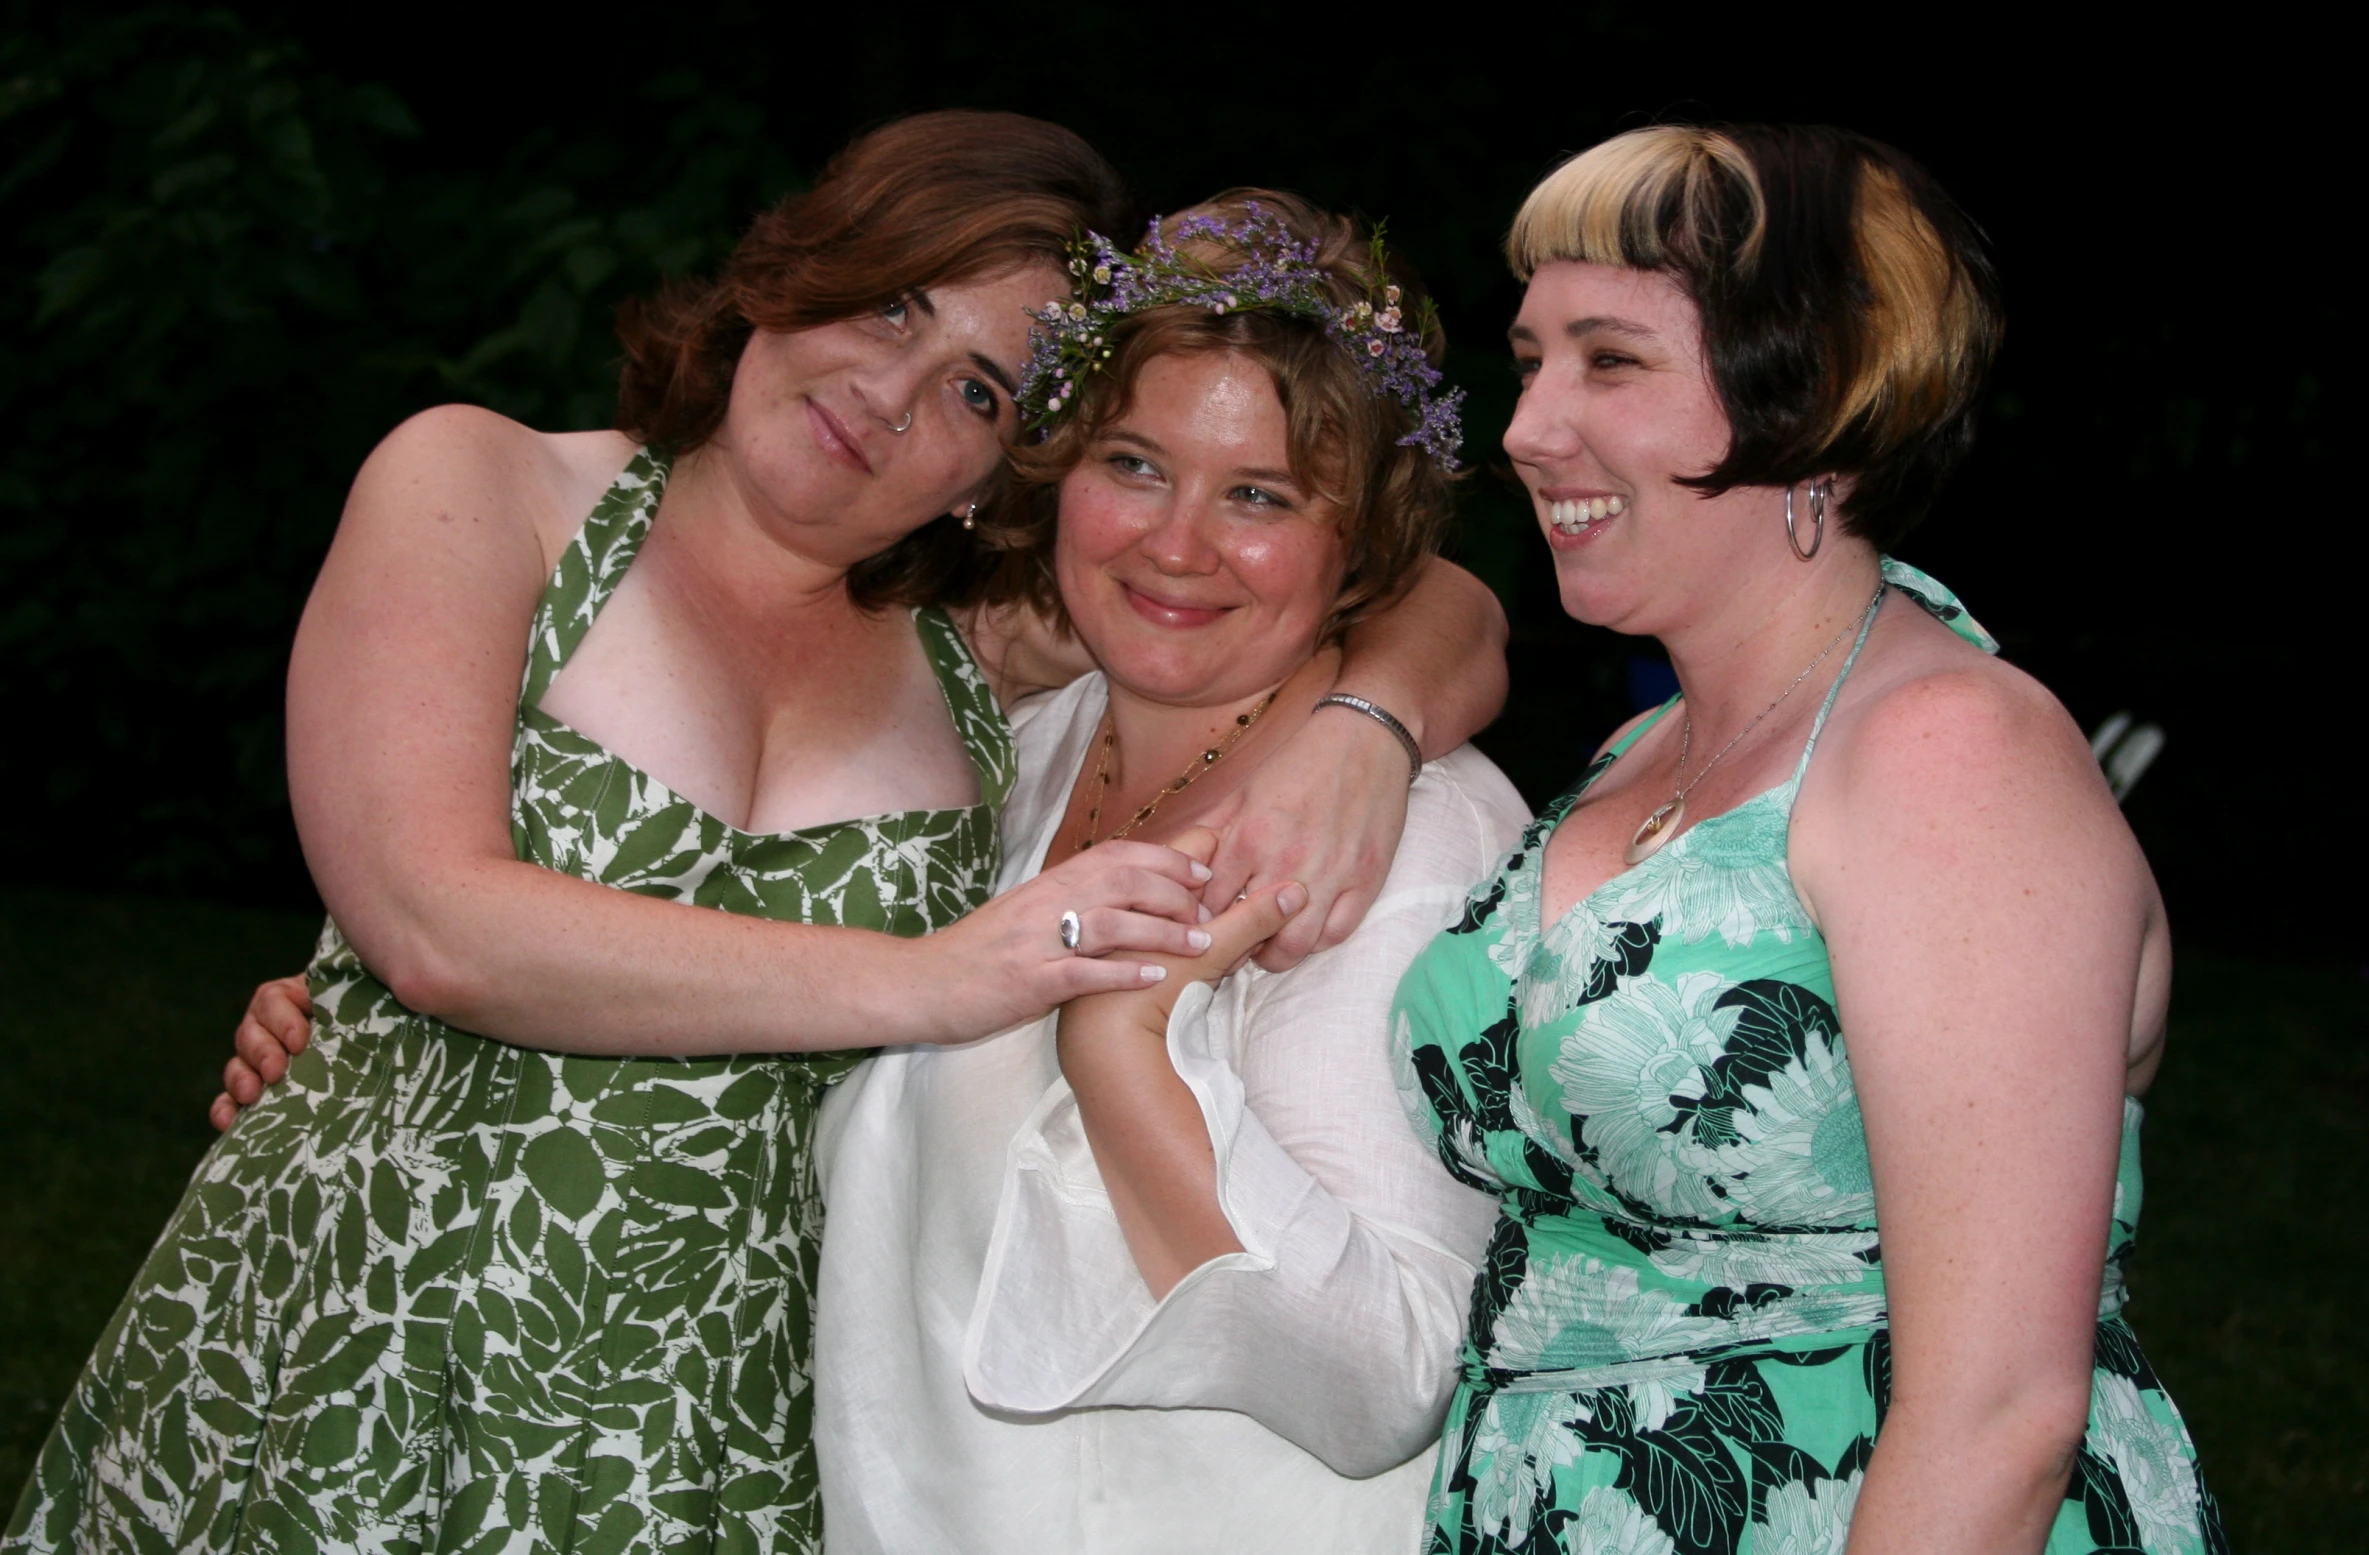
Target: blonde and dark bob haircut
{"type": "Point", "coordinates": [1849, 310]}
{"type": "Point", "coordinates": [1393, 500]}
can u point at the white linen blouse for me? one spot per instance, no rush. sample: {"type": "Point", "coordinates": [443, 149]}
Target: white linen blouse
{"type": "Point", "coordinates": [992, 1373]}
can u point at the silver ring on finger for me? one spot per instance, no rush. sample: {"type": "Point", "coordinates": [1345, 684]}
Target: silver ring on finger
{"type": "Point", "coordinates": [1071, 931]}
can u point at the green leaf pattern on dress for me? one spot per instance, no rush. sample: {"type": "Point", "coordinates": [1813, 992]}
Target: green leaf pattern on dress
{"type": "Point", "coordinates": [1678, 1341]}
{"type": "Point", "coordinates": [440, 1293]}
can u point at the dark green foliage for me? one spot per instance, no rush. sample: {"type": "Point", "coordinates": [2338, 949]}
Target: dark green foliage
{"type": "Point", "coordinates": [255, 265]}
{"type": "Point", "coordinates": [224, 274]}
{"type": "Point", "coordinates": [188, 218]}
{"type": "Point", "coordinates": [2256, 1139]}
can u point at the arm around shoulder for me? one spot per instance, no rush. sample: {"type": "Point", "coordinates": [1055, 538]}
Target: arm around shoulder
{"type": "Point", "coordinates": [1435, 658]}
{"type": "Point", "coordinates": [1327, 808]}
{"type": "Point", "coordinates": [403, 693]}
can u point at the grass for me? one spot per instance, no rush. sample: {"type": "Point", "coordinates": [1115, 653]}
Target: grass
{"type": "Point", "coordinates": [2244, 1289]}
{"type": "Point", "coordinates": [119, 1013]}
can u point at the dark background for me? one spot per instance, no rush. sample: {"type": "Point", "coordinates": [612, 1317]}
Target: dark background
{"type": "Point", "coordinates": [237, 245]}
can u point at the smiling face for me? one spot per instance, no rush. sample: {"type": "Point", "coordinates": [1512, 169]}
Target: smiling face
{"type": "Point", "coordinates": [1617, 404]}
{"type": "Point", "coordinates": [1192, 562]}
{"type": "Point", "coordinates": [811, 425]}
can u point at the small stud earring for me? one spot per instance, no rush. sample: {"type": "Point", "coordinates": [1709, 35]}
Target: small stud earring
{"type": "Point", "coordinates": [970, 515]}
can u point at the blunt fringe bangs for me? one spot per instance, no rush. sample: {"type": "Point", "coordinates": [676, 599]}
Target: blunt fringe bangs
{"type": "Point", "coordinates": [1850, 309]}
{"type": "Point", "coordinates": [1394, 500]}
{"type": "Point", "coordinates": [932, 200]}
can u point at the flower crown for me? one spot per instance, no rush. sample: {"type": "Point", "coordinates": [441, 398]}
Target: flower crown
{"type": "Point", "coordinates": [1279, 274]}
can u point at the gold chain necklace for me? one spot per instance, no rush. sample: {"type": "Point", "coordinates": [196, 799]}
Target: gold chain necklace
{"type": "Point", "coordinates": [1184, 780]}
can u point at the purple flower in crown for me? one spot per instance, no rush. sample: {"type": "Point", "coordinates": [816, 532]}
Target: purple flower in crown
{"type": "Point", "coordinates": [1440, 432]}
{"type": "Point", "coordinates": [1277, 273]}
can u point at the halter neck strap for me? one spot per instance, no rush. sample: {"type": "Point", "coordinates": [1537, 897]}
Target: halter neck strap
{"type": "Point", "coordinates": [1620, 747]}
{"type": "Point", "coordinates": [1818, 725]}
{"type": "Point", "coordinates": [591, 567]}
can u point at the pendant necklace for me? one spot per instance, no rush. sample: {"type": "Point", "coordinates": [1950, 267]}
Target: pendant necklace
{"type": "Point", "coordinates": [1183, 780]}
{"type": "Point", "coordinates": [1659, 827]}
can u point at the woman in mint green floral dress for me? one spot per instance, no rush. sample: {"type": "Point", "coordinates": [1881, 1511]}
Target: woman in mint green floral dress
{"type": "Point", "coordinates": [1801, 1041]}
{"type": "Point", "coordinates": [523, 1257]}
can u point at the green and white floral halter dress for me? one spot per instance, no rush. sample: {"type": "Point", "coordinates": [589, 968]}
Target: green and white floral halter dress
{"type": "Point", "coordinates": [1678, 1342]}
{"type": "Point", "coordinates": [442, 1294]}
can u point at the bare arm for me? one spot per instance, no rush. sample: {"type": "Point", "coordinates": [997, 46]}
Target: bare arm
{"type": "Point", "coordinates": [402, 692]}
{"type": "Point", "coordinates": [1327, 807]}
{"type": "Point", "coordinates": [1230, 1212]}
{"type": "Point", "coordinates": [1142, 1120]}
{"type": "Point", "coordinates": [1985, 906]}
{"type": "Point", "coordinates": [1436, 658]}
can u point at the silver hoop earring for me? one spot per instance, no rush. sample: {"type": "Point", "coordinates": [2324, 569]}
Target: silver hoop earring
{"type": "Point", "coordinates": [904, 425]}
{"type": "Point", "coordinates": [1817, 518]}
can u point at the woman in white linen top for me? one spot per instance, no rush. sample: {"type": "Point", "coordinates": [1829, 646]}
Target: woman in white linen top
{"type": "Point", "coordinates": [994, 1371]}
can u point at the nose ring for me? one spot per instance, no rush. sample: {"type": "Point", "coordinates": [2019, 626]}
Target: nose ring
{"type": "Point", "coordinates": [904, 425]}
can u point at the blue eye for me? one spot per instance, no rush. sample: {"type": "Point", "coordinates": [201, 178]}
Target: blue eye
{"type": "Point", "coordinates": [896, 311]}
{"type": "Point", "coordinates": [1259, 497]}
{"type": "Point", "coordinates": [979, 397]}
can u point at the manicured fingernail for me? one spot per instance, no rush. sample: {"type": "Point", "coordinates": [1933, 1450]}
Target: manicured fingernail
{"type": "Point", "coordinates": [1202, 871]}
{"type": "Point", "coordinates": [1197, 938]}
{"type": "Point", "coordinates": [1154, 974]}
{"type": "Point", "coordinates": [1291, 899]}
{"type": "Point", "coordinates": [1206, 914]}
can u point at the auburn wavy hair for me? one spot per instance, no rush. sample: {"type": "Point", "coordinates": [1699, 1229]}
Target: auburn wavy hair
{"type": "Point", "coordinates": [931, 200]}
{"type": "Point", "coordinates": [1394, 499]}
{"type": "Point", "coordinates": [1850, 310]}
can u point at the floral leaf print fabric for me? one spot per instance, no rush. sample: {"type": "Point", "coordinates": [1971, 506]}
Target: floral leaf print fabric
{"type": "Point", "coordinates": [439, 1293]}
{"type": "Point", "coordinates": [1677, 1341]}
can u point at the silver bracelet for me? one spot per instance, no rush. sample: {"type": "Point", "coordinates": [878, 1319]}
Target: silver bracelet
{"type": "Point", "coordinates": [1380, 715]}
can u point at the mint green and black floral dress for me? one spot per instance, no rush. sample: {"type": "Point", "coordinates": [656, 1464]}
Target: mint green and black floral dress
{"type": "Point", "coordinates": [442, 1294]}
{"type": "Point", "coordinates": [1678, 1340]}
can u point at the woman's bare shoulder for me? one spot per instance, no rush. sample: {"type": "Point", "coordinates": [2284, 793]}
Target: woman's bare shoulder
{"type": "Point", "coordinates": [464, 462]}
{"type": "Point", "coordinates": [1933, 722]}
{"type": "Point", "coordinates": [1948, 771]}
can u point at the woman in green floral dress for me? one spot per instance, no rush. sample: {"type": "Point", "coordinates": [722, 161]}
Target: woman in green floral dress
{"type": "Point", "coordinates": [1756, 1287]}
{"type": "Point", "coordinates": [523, 1257]}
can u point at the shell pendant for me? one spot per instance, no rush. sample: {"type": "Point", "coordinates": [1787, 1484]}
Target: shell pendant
{"type": "Point", "coordinates": [1655, 830]}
